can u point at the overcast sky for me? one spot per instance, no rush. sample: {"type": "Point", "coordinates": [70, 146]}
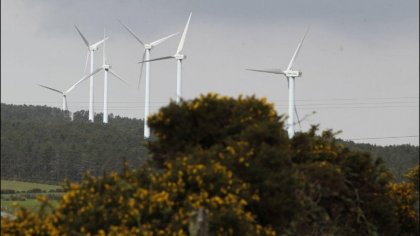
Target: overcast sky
{"type": "Point", "coordinates": [360, 60]}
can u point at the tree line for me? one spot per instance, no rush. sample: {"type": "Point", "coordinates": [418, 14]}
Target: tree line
{"type": "Point", "coordinates": [44, 144]}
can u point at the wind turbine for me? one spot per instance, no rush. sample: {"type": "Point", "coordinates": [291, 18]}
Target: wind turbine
{"type": "Point", "coordinates": [179, 57]}
{"type": "Point", "coordinates": [290, 75]}
{"type": "Point", "coordinates": [64, 93]}
{"type": "Point", "coordinates": [146, 56]}
{"type": "Point", "coordinates": [91, 49]}
{"type": "Point", "coordinates": [107, 68]}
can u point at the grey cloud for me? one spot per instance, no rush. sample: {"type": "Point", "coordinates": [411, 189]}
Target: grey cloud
{"type": "Point", "coordinates": [355, 49]}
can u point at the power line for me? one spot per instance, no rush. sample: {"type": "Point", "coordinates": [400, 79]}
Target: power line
{"type": "Point", "coordinates": [299, 104]}
{"type": "Point", "coordinates": [140, 108]}
{"type": "Point", "coordinates": [389, 137]}
{"type": "Point", "coordinates": [347, 99]}
{"type": "Point", "coordinates": [166, 100]}
{"type": "Point", "coordinates": [358, 104]}
{"type": "Point", "coordinates": [280, 106]}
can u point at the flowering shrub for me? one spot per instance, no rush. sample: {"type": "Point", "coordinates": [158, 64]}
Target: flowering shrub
{"type": "Point", "coordinates": [406, 196]}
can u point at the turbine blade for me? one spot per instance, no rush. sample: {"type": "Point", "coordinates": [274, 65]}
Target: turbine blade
{"type": "Point", "coordinates": [99, 42]}
{"type": "Point", "coordinates": [141, 68]}
{"type": "Point", "coordinates": [117, 76]}
{"type": "Point", "coordinates": [157, 59]}
{"type": "Point", "coordinates": [83, 79]}
{"type": "Point", "coordinates": [103, 51]}
{"type": "Point", "coordinates": [157, 42]}
{"type": "Point", "coordinates": [272, 71]}
{"type": "Point", "coordinates": [55, 90]}
{"type": "Point", "coordinates": [297, 117]}
{"type": "Point", "coordinates": [131, 32]}
{"type": "Point", "coordinates": [184, 34]}
{"type": "Point", "coordinates": [86, 63]}
{"type": "Point", "coordinates": [297, 51]}
{"type": "Point", "coordinates": [81, 35]}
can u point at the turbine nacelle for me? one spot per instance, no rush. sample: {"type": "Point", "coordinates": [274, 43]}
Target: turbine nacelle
{"type": "Point", "coordinates": [293, 73]}
{"type": "Point", "coordinates": [106, 67]}
{"type": "Point", "coordinates": [180, 56]}
{"type": "Point", "coordinates": [148, 46]}
{"type": "Point", "coordinates": [93, 48]}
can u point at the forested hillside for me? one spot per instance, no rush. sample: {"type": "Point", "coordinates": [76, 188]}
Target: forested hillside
{"type": "Point", "coordinates": [40, 143]}
{"type": "Point", "coordinates": [43, 144]}
{"type": "Point", "coordinates": [398, 158]}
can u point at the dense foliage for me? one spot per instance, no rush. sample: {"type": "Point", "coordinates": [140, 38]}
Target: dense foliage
{"type": "Point", "coordinates": [42, 144]}
{"type": "Point", "coordinates": [229, 164]}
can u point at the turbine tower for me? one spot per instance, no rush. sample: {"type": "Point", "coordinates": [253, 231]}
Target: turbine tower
{"type": "Point", "coordinates": [91, 49]}
{"type": "Point", "coordinates": [146, 56]}
{"type": "Point", "coordinates": [290, 76]}
{"type": "Point", "coordinates": [179, 57]}
{"type": "Point", "coordinates": [107, 68]}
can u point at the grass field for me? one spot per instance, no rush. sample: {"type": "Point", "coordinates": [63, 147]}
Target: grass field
{"type": "Point", "coordinates": [30, 204]}
{"type": "Point", "coordinates": [25, 186]}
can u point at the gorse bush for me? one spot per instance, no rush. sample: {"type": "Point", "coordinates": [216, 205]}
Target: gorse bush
{"type": "Point", "coordinates": [231, 160]}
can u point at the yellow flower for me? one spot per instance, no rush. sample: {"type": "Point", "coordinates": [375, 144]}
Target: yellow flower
{"type": "Point", "coordinates": [101, 232]}
{"type": "Point", "coordinates": [160, 197]}
{"type": "Point", "coordinates": [218, 200]}
{"type": "Point", "coordinates": [231, 150]}
{"type": "Point", "coordinates": [131, 202]}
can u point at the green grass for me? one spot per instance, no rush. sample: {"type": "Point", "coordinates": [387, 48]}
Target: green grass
{"type": "Point", "coordinates": [25, 186]}
{"type": "Point", "coordinates": [30, 204]}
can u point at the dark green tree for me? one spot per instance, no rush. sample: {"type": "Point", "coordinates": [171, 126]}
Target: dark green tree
{"type": "Point", "coordinates": [309, 185]}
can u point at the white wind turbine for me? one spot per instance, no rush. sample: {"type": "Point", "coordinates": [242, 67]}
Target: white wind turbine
{"type": "Point", "coordinates": [179, 57]}
{"type": "Point", "coordinates": [91, 49]}
{"type": "Point", "coordinates": [64, 93]}
{"type": "Point", "coordinates": [107, 68]}
{"type": "Point", "coordinates": [290, 75]}
{"type": "Point", "coordinates": [146, 56]}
